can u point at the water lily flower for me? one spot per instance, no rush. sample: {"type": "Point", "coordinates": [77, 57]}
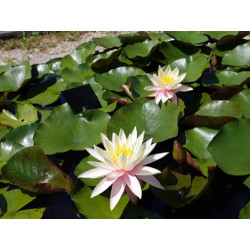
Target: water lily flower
{"type": "Point", "coordinates": [123, 163]}
{"type": "Point", "coordinates": [166, 84]}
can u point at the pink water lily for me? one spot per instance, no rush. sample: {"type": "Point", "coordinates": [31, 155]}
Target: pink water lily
{"type": "Point", "coordinates": [166, 84]}
{"type": "Point", "coordinates": [122, 164]}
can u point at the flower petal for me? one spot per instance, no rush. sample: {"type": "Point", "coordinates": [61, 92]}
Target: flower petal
{"type": "Point", "coordinates": [97, 164]}
{"type": "Point", "coordinates": [160, 72]}
{"type": "Point", "coordinates": [131, 196]}
{"type": "Point", "coordinates": [94, 153]}
{"type": "Point", "coordinates": [153, 80]}
{"type": "Point", "coordinates": [122, 160]}
{"type": "Point", "coordinates": [181, 77]}
{"type": "Point", "coordinates": [133, 184]}
{"type": "Point", "coordinates": [102, 186]}
{"type": "Point", "coordinates": [184, 89]}
{"type": "Point", "coordinates": [115, 174]}
{"type": "Point", "coordinates": [153, 158]}
{"type": "Point", "coordinates": [158, 97]}
{"type": "Point", "coordinates": [152, 88]}
{"type": "Point", "coordinates": [134, 135]}
{"type": "Point", "coordinates": [174, 99]}
{"type": "Point", "coordinates": [116, 192]}
{"type": "Point", "coordinates": [145, 170]}
{"type": "Point", "coordinates": [95, 173]}
{"type": "Point", "coordinates": [151, 180]}
{"type": "Point", "coordinates": [122, 136]}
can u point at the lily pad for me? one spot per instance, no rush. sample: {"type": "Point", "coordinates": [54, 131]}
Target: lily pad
{"type": "Point", "coordinates": [14, 78]}
{"type": "Point", "coordinates": [88, 206]}
{"type": "Point", "coordinates": [245, 212]}
{"type": "Point", "coordinates": [113, 79]}
{"type": "Point", "coordinates": [14, 200]}
{"type": "Point", "coordinates": [219, 34]}
{"type": "Point", "coordinates": [230, 147]}
{"type": "Point", "coordinates": [158, 123]}
{"type": "Point", "coordinates": [189, 37]}
{"type": "Point", "coordinates": [192, 65]}
{"type": "Point", "coordinates": [140, 49]}
{"type": "Point", "coordinates": [30, 169]}
{"type": "Point", "coordinates": [243, 99]}
{"type": "Point", "coordinates": [108, 41]}
{"type": "Point", "coordinates": [64, 130]}
{"type": "Point", "coordinates": [25, 114]}
{"type": "Point", "coordinates": [78, 56]}
{"type": "Point", "coordinates": [239, 56]}
{"type": "Point", "coordinates": [7, 149]}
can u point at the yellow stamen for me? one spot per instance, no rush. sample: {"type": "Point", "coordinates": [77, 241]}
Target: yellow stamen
{"type": "Point", "coordinates": [167, 79]}
{"type": "Point", "coordinates": [119, 150]}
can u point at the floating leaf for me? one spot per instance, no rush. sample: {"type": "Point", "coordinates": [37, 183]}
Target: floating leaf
{"type": "Point", "coordinates": [158, 123]}
{"type": "Point", "coordinates": [219, 34]}
{"type": "Point", "coordinates": [192, 65]}
{"type": "Point", "coordinates": [79, 73]}
{"type": "Point", "coordinates": [239, 56]}
{"type": "Point", "coordinates": [108, 41]}
{"type": "Point", "coordinates": [78, 56]}
{"type": "Point", "coordinates": [140, 49]}
{"type": "Point", "coordinates": [113, 79]}
{"type": "Point", "coordinates": [189, 37]}
{"type": "Point", "coordinates": [245, 212]}
{"type": "Point", "coordinates": [7, 149]}
{"type": "Point", "coordinates": [14, 78]}
{"type": "Point", "coordinates": [243, 99]}
{"type": "Point", "coordinates": [64, 130]}
{"type": "Point", "coordinates": [25, 114]}
{"type": "Point", "coordinates": [230, 147]}
{"type": "Point", "coordinates": [5, 66]}
{"type": "Point", "coordinates": [22, 135]}
{"type": "Point", "coordinates": [97, 207]}
{"type": "Point", "coordinates": [11, 203]}
{"type": "Point", "coordinates": [30, 169]}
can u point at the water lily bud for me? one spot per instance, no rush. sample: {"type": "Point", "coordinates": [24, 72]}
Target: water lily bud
{"type": "Point", "coordinates": [178, 153]}
{"type": "Point", "coordinates": [214, 60]}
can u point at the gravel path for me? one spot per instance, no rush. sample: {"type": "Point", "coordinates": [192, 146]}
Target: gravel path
{"type": "Point", "coordinates": [58, 48]}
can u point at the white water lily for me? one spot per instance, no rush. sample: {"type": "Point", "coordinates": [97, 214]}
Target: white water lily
{"type": "Point", "coordinates": [123, 162]}
{"type": "Point", "coordinates": [166, 84]}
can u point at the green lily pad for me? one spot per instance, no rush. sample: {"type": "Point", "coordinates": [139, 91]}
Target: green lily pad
{"type": "Point", "coordinates": [97, 207]}
{"type": "Point", "coordinates": [197, 141]}
{"type": "Point", "coordinates": [14, 200]}
{"type": "Point", "coordinates": [7, 149]}
{"type": "Point", "coordinates": [219, 34]}
{"type": "Point", "coordinates": [245, 212]}
{"type": "Point", "coordinates": [64, 130]}
{"type": "Point", "coordinates": [108, 41]}
{"type": "Point", "coordinates": [25, 114]}
{"type": "Point", "coordinates": [192, 65]}
{"type": "Point", "coordinates": [79, 73]}
{"type": "Point", "coordinates": [131, 38]}
{"type": "Point", "coordinates": [158, 123]}
{"type": "Point", "coordinates": [78, 56]}
{"type": "Point", "coordinates": [141, 49]}
{"type": "Point", "coordinates": [113, 79]}
{"type": "Point", "coordinates": [189, 37]}
{"type": "Point", "coordinates": [228, 77]}
{"type": "Point", "coordinates": [220, 108]}
{"type": "Point", "coordinates": [22, 135]}
{"type": "Point", "coordinates": [243, 99]}
{"type": "Point", "coordinates": [102, 60]}
{"type": "Point", "coordinates": [247, 182]}
{"type": "Point", "coordinates": [40, 70]}
{"type": "Point", "coordinates": [230, 147]}
{"type": "Point", "coordinates": [14, 78]}
{"type": "Point", "coordinates": [173, 50]}
{"type": "Point", "coordinates": [239, 56]}
{"type": "Point", "coordinates": [30, 169]}
{"type": "Point", "coordinates": [5, 66]}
